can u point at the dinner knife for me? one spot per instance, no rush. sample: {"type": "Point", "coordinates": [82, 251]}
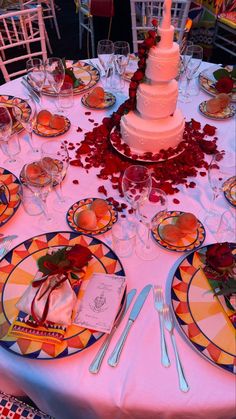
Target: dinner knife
{"type": "Point", "coordinates": [140, 300]}
{"type": "Point", "coordinates": [97, 362]}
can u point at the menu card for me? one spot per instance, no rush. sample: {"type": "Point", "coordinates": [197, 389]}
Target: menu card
{"type": "Point", "coordinates": [98, 307]}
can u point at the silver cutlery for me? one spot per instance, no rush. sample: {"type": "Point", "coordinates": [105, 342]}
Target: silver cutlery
{"type": "Point", "coordinates": [34, 95]}
{"type": "Point", "coordinates": [140, 300]}
{"type": "Point", "coordinates": [159, 305]}
{"type": "Point", "coordinates": [5, 244]}
{"type": "Point", "coordinates": [97, 362]}
{"type": "Point", "coordinates": [169, 324]}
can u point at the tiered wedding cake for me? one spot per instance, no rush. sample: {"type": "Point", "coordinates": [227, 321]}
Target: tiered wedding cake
{"type": "Point", "coordinates": [156, 123]}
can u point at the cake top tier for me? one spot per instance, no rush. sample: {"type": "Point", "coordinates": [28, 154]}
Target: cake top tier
{"type": "Point", "coordinates": [166, 30]}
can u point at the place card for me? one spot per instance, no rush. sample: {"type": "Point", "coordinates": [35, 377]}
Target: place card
{"type": "Point", "coordinates": [98, 307]}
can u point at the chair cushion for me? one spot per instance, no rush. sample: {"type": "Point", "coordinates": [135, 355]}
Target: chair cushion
{"type": "Point", "coordinates": [12, 408]}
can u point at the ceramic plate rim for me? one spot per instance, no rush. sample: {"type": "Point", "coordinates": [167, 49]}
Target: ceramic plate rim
{"type": "Point", "coordinates": [217, 118]}
{"type": "Point", "coordinates": [61, 132]}
{"type": "Point", "coordinates": [18, 124]}
{"type": "Point", "coordinates": [96, 108]}
{"type": "Point", "coordinates": [17, 181]}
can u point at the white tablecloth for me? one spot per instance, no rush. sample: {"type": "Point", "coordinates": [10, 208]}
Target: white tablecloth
{"type": "Point", "coordinates": [139, 387]}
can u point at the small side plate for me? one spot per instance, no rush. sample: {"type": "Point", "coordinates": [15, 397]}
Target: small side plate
{"type": "Point", "coordinates": [226, 113]}
{"type": "Point", "coordinates": [43, 131]}
{"type": "Point", "coordinates": [109, 101]}
{"type": "Point", "coordinates": [229, 188]}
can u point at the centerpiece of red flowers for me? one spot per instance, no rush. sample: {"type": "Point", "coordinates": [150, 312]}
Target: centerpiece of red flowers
{"type": "Point", "coordinates": [226, 80]}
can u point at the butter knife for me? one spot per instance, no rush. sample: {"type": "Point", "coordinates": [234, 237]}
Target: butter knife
{"type": "Point", "coordinates": [97, 362]}
{"type": "Point", "coordinates": [140, 300]}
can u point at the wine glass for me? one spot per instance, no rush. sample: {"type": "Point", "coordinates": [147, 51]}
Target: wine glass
{"type": "Point", "coordinates": [105, 53]}
{"type": "Point", "coordinates": [185, 56]}
{"type": "Point", "coordinates": [121, 59]}
{"type": "Point", "coordinates": [36, 73]}
{"type": "Point", "coordinates": [10, 145]}
{"type": "Point", "coordinates": [221, 168]}
{"type": "Point", "coordinates": [193, 59]}
{"type": "Point", "coordinates": [55, 161]}
{"type": "Point", "coordinates": [136, 185]}
{"type": "Point", "coordinates": [55, 74]}
{"type": "Point", "coordinates": [27, 120]}
{"type": "Point", "coordinates": [151, 211]}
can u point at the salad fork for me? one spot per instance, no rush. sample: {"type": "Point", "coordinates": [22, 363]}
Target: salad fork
{"type": "Point", "coordinates": [169, 324]}
{"type": "Point", "coordinates": [159, 304]}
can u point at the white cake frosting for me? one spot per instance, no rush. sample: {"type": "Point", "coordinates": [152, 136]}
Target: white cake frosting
{"type": "Point", "coordinates": [156, 124]}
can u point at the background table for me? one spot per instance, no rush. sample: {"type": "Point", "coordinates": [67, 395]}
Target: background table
{"type": "Point", "coordinates": [139, 386]}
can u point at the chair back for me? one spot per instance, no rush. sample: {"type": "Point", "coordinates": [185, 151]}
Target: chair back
{"type": "Point", "coordinates": [22, 36]}
{"type": "Point", "coordinates": [142, 13]}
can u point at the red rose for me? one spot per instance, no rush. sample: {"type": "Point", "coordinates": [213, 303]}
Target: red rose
{"type": "Point", "coordinates": [132, 93]}
{"type": "Point", "coordinates": [152, 34]}
{"type": "Point", "coordinates": [224, 85]}
{"type": "Point", "coordinates": [195, 125]}
{"type": "Point", "coordinates": [209, 130]}
{"type": "Point", "coordinates": [78, 256]}
{"type": "Point", "coordinates": [154, 22]}
{"type": "Point", "coordinates": [149, 42]}
{"type": "Point", "coordinates": [138, 76]}
{"type": "Point", "coordinates": [208, 147]}
{"type": "Point", "coordinates": [68, 79]}
{"type": "Point", "coordinates": [219, 256]}
{"type": "Point", "coordinates": [84, 149]}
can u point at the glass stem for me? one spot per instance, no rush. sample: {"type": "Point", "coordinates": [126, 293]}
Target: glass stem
{"type": "Point", "coordinates": [186, 88]}
{"type": "Point", "coordinates": [148, 239]}
{"type": "Point", "coordinates": [60, 193]}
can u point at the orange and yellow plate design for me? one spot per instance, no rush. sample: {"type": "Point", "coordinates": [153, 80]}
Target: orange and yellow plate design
{"type": "Point", "coordinates": [11, 185]}
{"type": "Point", "coordinates": [229, 189]}
{"type": "Point", "coordinates": [17, 270]}
{"type": "Point", "coordinates": [7, 101]}
{"type": "Point", "coordinates": [44, 131]}
{"type": "Point", "coordinates": [201, 315]}
{"type": "Point", "coordinates": [187, 243]}
{"type": "Point", "coordinates": [104, 224]}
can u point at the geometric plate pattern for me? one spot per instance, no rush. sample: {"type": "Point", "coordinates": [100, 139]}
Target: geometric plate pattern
{"type": "Point", "coordinates": [6, 100]}
{"type": "Point", "coordinates": [189, 242]}
{"type": "Point", "coordinates": [43, 131]}
{"type": "Point", "coordinates": [103, 224]}
{"type": "Point", "coordinates": [87, 73]}
{"type": "Point", "coordinates": [17, 270]}
{"type": "Point", "coordinates": [200, 314]}
{"type": "Point", "coordinates": [229, 188]}
{"type": "Point", "coordinates": [11, 189]}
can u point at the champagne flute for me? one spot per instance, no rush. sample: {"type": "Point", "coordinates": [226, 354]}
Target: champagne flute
{"type": "Point", "coordinates": [105, 52]}
{"type": "Point", "coordinates": [27, 120]}
{"type": "Point", "coordinates": [55, 74]}
{"type": "Point", "coordinates": [10, 145]}
{"type": "Point", "coordinates": [151, 211]}
{"type": "Point", "coordinates": [121, 59]}
{"type": "Point", "coordinates": [193, 56]}
{"type": "Point", "coordinates": [36, 74]}
{"type": "Point", "coordinates": [55, 161]}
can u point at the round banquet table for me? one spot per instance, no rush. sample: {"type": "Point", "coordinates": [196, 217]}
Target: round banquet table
{"type": "Point", "coordinates": [139, 386]}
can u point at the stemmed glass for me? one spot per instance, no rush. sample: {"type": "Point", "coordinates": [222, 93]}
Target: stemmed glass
{"type": "Point", "coordinates": [55, 74]}
{"type": "Point", "coordinates": [55, 161]}
{"type": "Point", "coordinates": [193, 59]}
{"type": "Point", "coordinates": [105, 53]}
{"type": "Point", "coordinates": [121, 59]}
{"type": "Point", "coordinates": [27, 120]}
{"type": "Point", "coordinates": [151, 211]}
{"type": "Point", "coordinates": [185, 56]}
{"type": "Point", "coordinates": [10, 145]}
{"type": "Point", "coordinates": [219, 170]}
{"type": "Point", "coordinates": [36, 74]}
{"type": "Point", "coordinates": [136, 185]}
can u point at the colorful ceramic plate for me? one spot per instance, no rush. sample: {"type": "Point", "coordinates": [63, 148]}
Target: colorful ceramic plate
{"type": "Point", "coordinates": [17, 270]}
{"type": "Point", "coordinates": [44, 131]}
{"type": "Point", "coordinates": [226, 113]}
{"type": "Point", "coordinates": [109, 100]}
{"type": "Point", "coordinates": [189, 242]}
{"type": "Point", "coordinates": [9, 185]}
{"type": "Point", "coordinates": [104, 224]}
{"type": "Point", "coordinates": [6, 100]}
{"type": "Point", "coordinates": [200, 315]}
{"type": "Point", "coordinates": [229, 188]}
{"type": "Point", "coordinates": [86, 73]}
{"type": "Point", "coordinates": [207, 81]}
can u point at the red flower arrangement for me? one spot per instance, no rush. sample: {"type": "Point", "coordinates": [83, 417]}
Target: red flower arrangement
{"type": "Point", "coordinates": [225, 80]}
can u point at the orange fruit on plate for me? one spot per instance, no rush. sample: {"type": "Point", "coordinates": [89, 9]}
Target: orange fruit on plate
{"type": "Point", "coordinates": [57, 122]}
{"type": "Point", "coordinates": [33, 171]}
{"type": "Point", "coordinates": [44, 117]}
{"type": "Point", "coordinates": [187, 222]}
{"type": "Point", "coordinates": [87, 219]}
{"type": "Point", "coordinates": [95, 97]}
{"type": "Point", "coordinates": [100, 207]}
{"type": "Point", "coordinates": [171, 233]}
{"type": "Point", "coordinates": [213, 105]}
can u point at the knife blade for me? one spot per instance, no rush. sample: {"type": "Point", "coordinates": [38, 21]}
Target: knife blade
{"type": "Point", "coordinates": [32, 92]}
{"type": "Point", "coordinates": [97, 362]}
{"type": "Point", "coordinates": [139, 302]}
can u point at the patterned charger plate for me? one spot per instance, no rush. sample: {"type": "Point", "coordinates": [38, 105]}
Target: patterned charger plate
{"type": "Point", "coordinates": [87, 73]}
{"type": "Point", "coordinates": [189, 242]}
{"type": "Point", "coordinates": [109, 101]}
{"type": "Point", "coordinates": [229, 188]}
{"type": "Point", "coordinates": [17, 270]}
{"type": "Point", "coordinates": [9, 185]}
{"type": "Point", "coordinates": [104, 224]}
{"type": "Point", "coordinates": [6, 100]}
{"type": "Point", "coordinates": [44, 131]}
{"type": "Point", "coordinates": [207, 82]}
{"type": "Point", "coordinates": [200, 315]}
{"type": "Point", "coordinates": [226, 113]}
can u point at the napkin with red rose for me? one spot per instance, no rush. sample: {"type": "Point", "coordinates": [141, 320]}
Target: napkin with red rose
{"type": "Point", "coordinates": [46, 307]}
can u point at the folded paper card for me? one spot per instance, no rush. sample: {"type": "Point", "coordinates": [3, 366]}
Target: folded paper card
{"type": "Point", "coordinates": [100, 303]}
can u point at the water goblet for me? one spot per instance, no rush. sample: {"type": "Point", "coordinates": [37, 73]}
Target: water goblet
{"type": "Point", "coordinates": [55, 161]}
{"type": "Point", "coordinates": [11, 148]}
{"type": "Point", "coordinates": [10, 145]}
{"type": "Point", "coordinates": [121, 59]}
{"type": "Point", "coordinates": [27, 120]}
{"type": "Point", "coordinates": [55, 74]}
{"type": "Point", "coordinates": [36, 74]}
{"type": "Point", "coordinates": [151, 211]}
{"type": "Point", "coordinates": [105, 53]}
{"type": "Point", "coordinates": [193, 59]}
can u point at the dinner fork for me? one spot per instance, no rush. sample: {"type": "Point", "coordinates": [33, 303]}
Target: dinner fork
{"type": "Point", "coordinates": [159, 304]}
{"type": "Point", "coordinates": [169, 324]}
